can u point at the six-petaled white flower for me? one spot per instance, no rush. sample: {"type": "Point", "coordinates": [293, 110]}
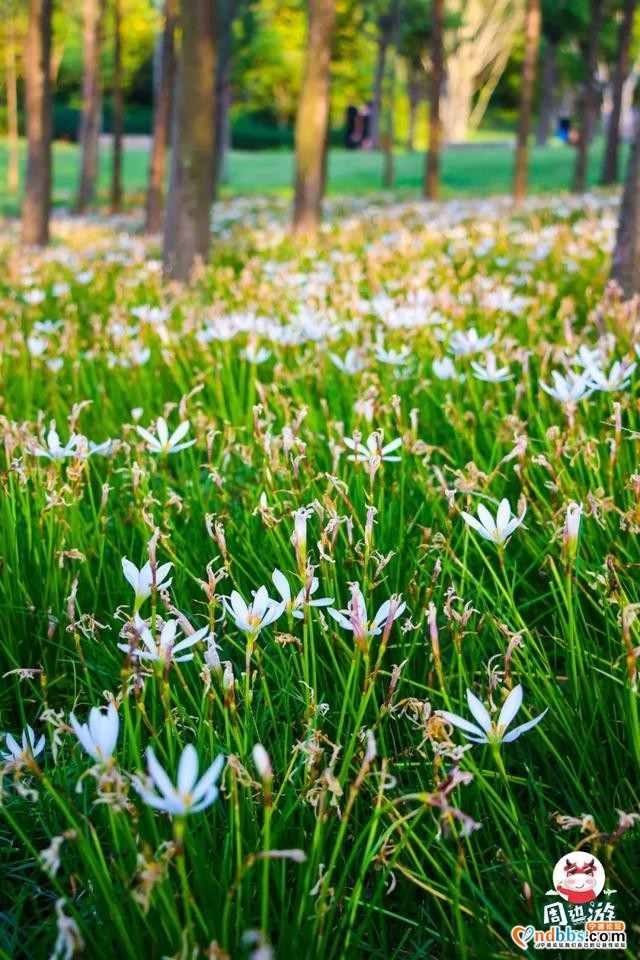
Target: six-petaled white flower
{"type": "Point", "coordinates": [303, 598]}
{"type": "Point", "coordinates": [100, 735]}
{"type": "Point", "coordinates": [190, 795]}
{"type": "Point", "coordinates": [164, 649]}
{"type": "Point", "coordinates": [29, 749]}
{"type": "Point", "coordinates": [356, 619]}
{"type": "Point", "coordinates": [146, 579]}
{"type": "Point", "coordinates": [162, 442]}
{"type": "Point", "coordinates": [498, 530]}
{"type": "Point", "coordinates": [372, 449]}
{"type": "Point", "coordinates": [253, 617]}
{"type": "Point", "coordinates": [485, 730]}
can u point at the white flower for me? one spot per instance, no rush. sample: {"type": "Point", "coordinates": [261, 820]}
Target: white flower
{"type": "Point", "coordinates": [100, 735]}
{"type": "Point", "coordinates": [572, 523]}
{"type": "Point", "coordinates": [618, 378]}
{"type": "Point", "coordinates": [252, 618]}
{"type": "Point", "coordinates": [486, 730]}
{"type": "Point", "coordinates": [165, 649]}
{"type": "Point", "coordinates": [255, 355]}
{"type": "Point", "coordinates": [163, 443]}
{"type": "Point", "coordinates": [570, 389]}
{"type": "Point", "coordinates": [464, 342]}
{"type": "Point", "coordinates": [143, 580]}
{"type": "Point", "coordinates": [262, 762]}
{"type": "Point", "coordinates": [445, 369]}
{"type": "Point", "coordinates": [491, 373]}
{"type": "Point", "coordinates": [395, 358]}
{"type": "Point", "coordinates": [54, 450]}
{"type": "Point", "coordinates": [497, 530]}
{"type": "Point", "coordinates": [356, 619]}
{"type": "Point", "coordinates": [353, 361]}
{"type": "Point", "coordinates": [302, 599]}
{"type": "Point", "coordinates": [372, 449]}
{"type": "Point", "coordinates": [190, 795]}
{"type": "Point", "coordinates": [23, 753]}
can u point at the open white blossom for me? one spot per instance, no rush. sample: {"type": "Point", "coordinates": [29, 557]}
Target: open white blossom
{"type": "Point", "coordinates": [29, 749]}
{"type": "Point", "coordinates": [373, 448]}
{"type": "Point", "coordinates": [569, 389]}
{"type": "Point", "coordinates": [163, 442]}
{"type": "Point", "coordinates": [491, 372]}
{"type": "Point", "coordinates": [485, 730]}
{"type": "Point", "coordinates": [55, 450]}
{"type": "Point", "coordinates": [100, 735]}
{"type": "Point", "coordinates": [303, 598]}
{"type": "Point", "coordinates": [190, 795]}
{"type": "Point", "coordinates": [164, 649]}
{"type": "Point", "coordinates": [254, 617]}
{"type": "Point", "coordinates": [498, 530]}
{"type": "Point", "coordinates": [465, 342]}
{"type": "Point", "coordinates": [142, 580]}
{"type": "Point", "coordinates": [356, 619]}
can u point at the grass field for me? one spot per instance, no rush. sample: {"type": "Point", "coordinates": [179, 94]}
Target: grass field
{"type": "Point", "coordinates": [398, 521]}
{"type": "Point", "coordinates": [475, 170]}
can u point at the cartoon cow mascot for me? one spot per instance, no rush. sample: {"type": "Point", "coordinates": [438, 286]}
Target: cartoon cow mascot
{"type": "Point", "coordinates": [579, 882]}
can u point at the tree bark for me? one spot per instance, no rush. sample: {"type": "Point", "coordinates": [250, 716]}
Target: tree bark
{"type": "Point", "coordinates": [610, 163]}
{"type": "Point", "coordinates": [117, 112]}
{"type": "Point", "coordinates": [384, 37]}
{"type": "Point", "coordinates": [91, 102]}
{"type": "Point", "coordinates": [389, 159]}
{"type": "Point", "coordinates": [414, 90]}
{"type": "Point", "coordinates": [458, 105]}
{"type": "Point", "coordinates": [532, 39]}
{"type": "Point", "coordinates": [13, 159]}
{"type": "Point", "coordinates": [589, 99]}
{"type": "Point", "coordinates": [432, 177]}
{"type": "Point", "coordinates": [161, 121]}
{"type": "Point", "coordinates": [227, 10]}
{"type": "Point", "coordinates": [187, 226]}
{"type": "Point", "coordinates": [37, 196]}
{"type": "Point", "coordinates": [625, 265]}
{"type": "Point", "coordinates": [313, 118]}
{"type": "Point", "coordinates": [548, 105]}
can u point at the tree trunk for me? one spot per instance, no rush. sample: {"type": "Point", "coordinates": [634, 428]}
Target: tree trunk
{"type": "Point", "coordinates": [37, 195]}
{"type": "Point", "coordinates": [625, 265]}
{"type": "Point", "coordinates": [13, 159]}
{"type": "Point", "coordinates": [161, 121]}
{"type": "Point", "coordinates": [91, 102]}
{"type": "Point", "coordinates": [384, 31]}
{"type": "Point", "coordinates": [432, 178]}
{"type": "Point", "coordinates": [610, 164]}
{"type": "Point", "coordinates": [457, 105]}
{"type": "Point", "coordinates": [227, 10]}
{"type": "Point", "coordinates": [548, 105]}
{"type": "Point", "coordinates": [389, 164]}
{"type": "Point", "coordinates": [313, 117]}
{"type": "Point", "coordinates": [187, 226]}
{"type": "Point", "coordinates": [532, 39]}
{"type": "Point", "coordinates": [117, 113]}
{"type": "Point", "coordinates": [589, 99]}
{"type": "Point", "coordinates": [413, 93]}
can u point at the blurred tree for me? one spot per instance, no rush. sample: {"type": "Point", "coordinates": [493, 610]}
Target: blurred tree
{"type": "Point", "coordinates": [93, 12]}
{"type": "Point", "coordinates": [561, 24]}
{"type": "Point", "coordinates": [478, 51]}
{"type": "Point", "coordinates": [161, 121]}
{"type": "Point", "coordinates": [610, 163]}
{"type": "Point", "coordinates": [625, 265]}
{"type": "Point", "coordinates": [312, 119]}
{"type": "Point", "coordinates": [397, 14]}
{"type": "Point", "coordinates": [11, 77]}
{"type": "Point", "coordinates": [532, 40]}
{"type": "Point", "coordinates": [384, 32]}
{"type": "Point", "coordinates": [187, 223]}
{"type": "Point", "coordinates": [432, 180]}
{"type": "Point", "coordinates": [414, 48]}
{"type": "Point", "coordinates": [227, 12]}
{"type": "Point", "coordinates": [117, 114]}
{"type": "Point", "coordinates": [37, 195]}
{"type": "Point", "coordinates": [589, 97]}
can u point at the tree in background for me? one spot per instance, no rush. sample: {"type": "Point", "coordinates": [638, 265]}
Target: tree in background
{"type": "Point", "coordinates": [397, 13]}
{"type": "Point", "coordinates": [415, 33]}
{"type": "Point", "coordinates": [37, 196]}
{"type": "Point", "coordinates": [625, 265]}
{"type": "Point", "coordinates": [479, 46]}
{"type": "Point", "coordinates": [621, 72]}
{"type": "Point", "coordinates": [384, 32]}
{"type": "Point", "coordinates": [13, 37]}
{"type": "Point", "coordinates": [161, 120]}
{"type": "Point", "coordinates": [532, 41]}
{"type": "Point", "coordinates": [227, 12]}
{"type": "Point", "coordinates": [93, 12]}
{"type": "Point", "coordinates": [432, 178]}
{"type": "Point", "coordinates": [187, 223]}
{"type": "Point", "coordinates": [589, 96]}
{"type": "Point", "coordinates": [117, 110]}
{"type": "Point", "coordinates": [313, 118]}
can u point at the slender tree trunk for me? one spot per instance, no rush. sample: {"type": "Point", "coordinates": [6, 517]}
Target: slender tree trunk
{"type": "Point", "coordinates": [91, 102]}
{"type": "Point", "coordinates": [589, 99]}
{"type": "Point", "coordinates": [227, 14]}
{"type": "Point", "coordinates": [187, 226]}
{"type": "Point", "coordinates": [37, 195]}
{"type": "Point", "coordinates": [117, 113]}
{"type": "Point", "coordinates": [13, 167]}
{"type": "Point", "coordinates": [625, 266]}
{"type": "Point", "coordinates": [161, 121]}
{"type": "Point", "coordinates": [610, 164]}
{"type": "Point", "coordinates": [389, 164]}
{"type": "Point", "coordinates": [313, 118]}
{"type": "Point", "coordinates": [413, 91]}
{"type": "Point", "coordinates": [548, 105]}
{"type": "Point", "coordinates": [432, 177]}
{"type": "Point", "coordinates": [532, 39]}
{"type": "Point", "coordinates": [384, 30]}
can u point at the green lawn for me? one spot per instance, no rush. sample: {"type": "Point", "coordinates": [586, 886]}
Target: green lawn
{"type": "Point", "coordinates": [474, 169]}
